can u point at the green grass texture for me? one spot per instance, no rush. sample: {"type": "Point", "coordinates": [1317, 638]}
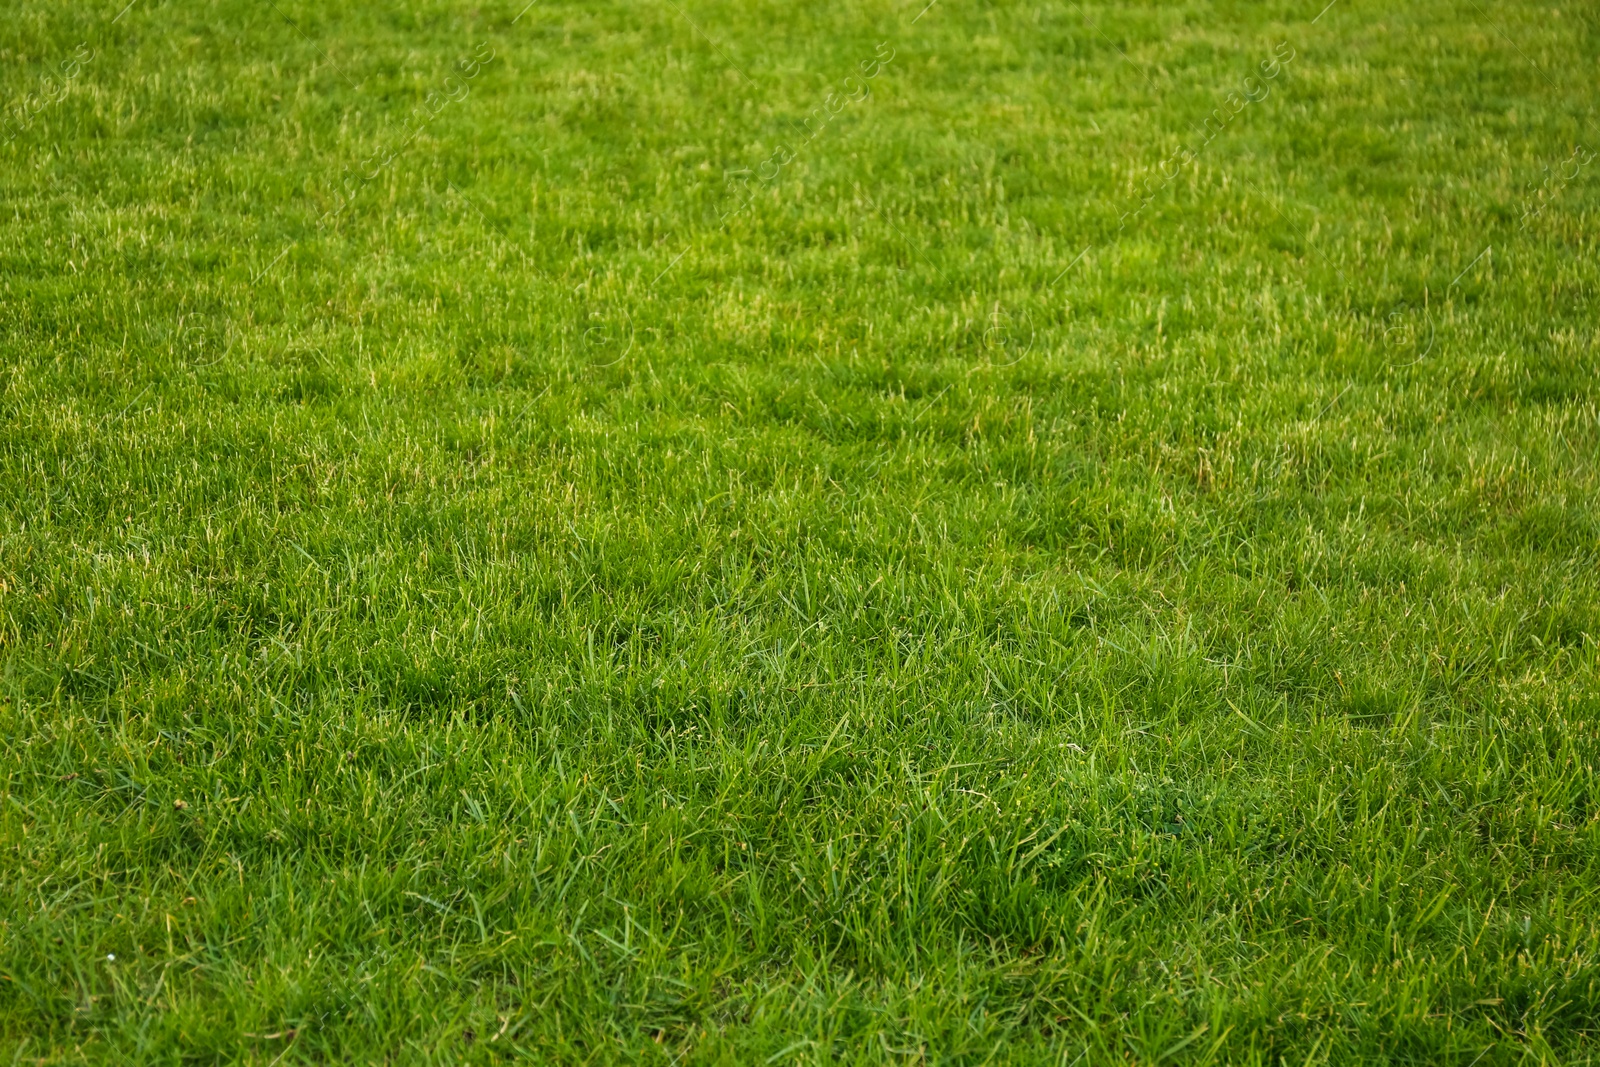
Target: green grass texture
{"type": "Point", "coordinates": [724, 532]}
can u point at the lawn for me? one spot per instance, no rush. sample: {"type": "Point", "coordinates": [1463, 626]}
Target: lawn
{"type": "Point", "coordinates": [725, 532]}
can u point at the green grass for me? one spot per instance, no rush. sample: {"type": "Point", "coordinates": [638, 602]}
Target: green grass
{"type": "Point", "coordinates": [910, 605]}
